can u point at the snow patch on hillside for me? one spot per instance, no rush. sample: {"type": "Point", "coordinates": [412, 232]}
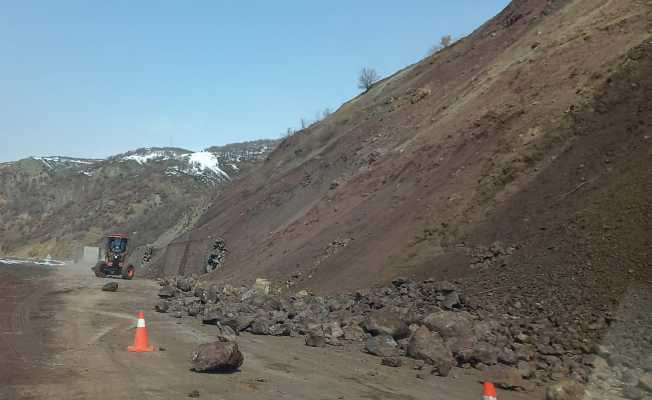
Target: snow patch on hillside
{"type": "Point", "coordinates": [200, 164]}
{"type": "Point", "coordinates": [151, 156]}
{"type": "Point", "coordinates": [64, 162]}
{"type": "Point", "coordinates": [204, 160]}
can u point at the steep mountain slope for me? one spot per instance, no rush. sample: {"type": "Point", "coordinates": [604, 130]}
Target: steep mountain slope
{"type": "Point", "coordinates": [55, 205]}
{"type": "Point", "coordinates": [528, 131]}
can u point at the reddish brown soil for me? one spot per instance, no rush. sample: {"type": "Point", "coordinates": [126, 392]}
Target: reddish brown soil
{"type": "Point", "coordinates": [534, 131]}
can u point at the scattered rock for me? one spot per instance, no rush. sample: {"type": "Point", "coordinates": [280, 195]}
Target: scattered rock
{"type": "Point", "coordinates": [633, 393]}
{"type": "Point", "coordinates": [185, 284]}
{"type": "Point", "coordinates": [442, 368]}
{"type": "Point", "coordinates": [212, 317]}
{"type": "Point", "coordinates": [419, 95]}
{"type": "Point", "coordinates": [596, 362]}
{"type": "Point", "coordinates": [429, 347]}
{"type": "Point", "coordinates": [195, 309]}
{"type": "Point", "coordinates": [645, 381]}
{"type": "Point", "coordinates": [315, 340]}
{"type": "Point", "coordinates": [382, 346]}
{"type": "Point", "coordinates": [524, 369]}
{"type": "Point", "coordinates": [484, 353]}
{"type": "Point", "coordinates": [565, 390]}
{"type": "Point", "coordinates": [333, 330]}
{"type": "Point", "coordinates": [431, 321]}
{"type": "Point", "coordinates": [217, 357]}
{"type": "Point", "coordinates": [226, 333]}
{"type": "Point", "coordinates": [166, 292]}
{"type": "Point", "coordinates": [354, 332]}
{"type": "Point", "coordinates": [240, 322]}
{"type": "Point", "coordinates": [110, 287]}
{"type": "Point", "coordinates": [384, 322]}
{"type": "Point", "coordinates": [260, 327]}
{"type": "Point", "coordinates": [449, 323]}
{"type": "Point", "coordinates": [162, 306]}
{"type": "Point", "coordinates": [506, 377]}
{"type": "Point", "coordinates": [391, 361]}
{"type": "Point", "coordinates": [451, 300]}
{"type": "Point", "coordinates": [507, 356]}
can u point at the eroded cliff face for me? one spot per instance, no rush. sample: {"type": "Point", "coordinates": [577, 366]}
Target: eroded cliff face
{"type": "Point", "coordinates": [420, 175]}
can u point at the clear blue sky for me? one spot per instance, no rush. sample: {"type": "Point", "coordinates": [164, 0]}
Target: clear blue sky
{"type": "Point", "coordinates": [95, 78]}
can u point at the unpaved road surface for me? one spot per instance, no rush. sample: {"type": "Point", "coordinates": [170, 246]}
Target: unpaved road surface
{"type": "Point", "coordinates": [66, 339]}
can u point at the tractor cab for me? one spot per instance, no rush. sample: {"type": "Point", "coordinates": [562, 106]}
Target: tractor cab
{"type": "Point", "coordinates": [117, 244]}
{"type": "Point", "coordinates": [115, 258]}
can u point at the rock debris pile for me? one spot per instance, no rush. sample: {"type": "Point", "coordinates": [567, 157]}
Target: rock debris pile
{"type": "Point", "coordinates": [431, 323]}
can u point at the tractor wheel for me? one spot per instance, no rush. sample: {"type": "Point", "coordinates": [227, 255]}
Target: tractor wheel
{"type": "Point", "coordinates": [129, 272]}
{"type": "Point", "coordinates": [98, 270]}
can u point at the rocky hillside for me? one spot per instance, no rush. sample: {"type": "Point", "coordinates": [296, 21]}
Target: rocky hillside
{"type": "Point", "coordinates": [516, 161]}
{"type": "Point", "coordinates": [55, 205]}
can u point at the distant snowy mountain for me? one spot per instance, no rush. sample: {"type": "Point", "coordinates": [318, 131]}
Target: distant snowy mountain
{"type": "Point", "coordinates": [212, 166]}
{"type": "Point", "coordinates": [55, 204]}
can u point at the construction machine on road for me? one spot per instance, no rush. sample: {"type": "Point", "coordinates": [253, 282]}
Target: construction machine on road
{"type": "Point", "coordinates": [115, 258]}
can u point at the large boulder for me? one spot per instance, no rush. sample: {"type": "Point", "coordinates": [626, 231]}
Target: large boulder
{"type": "Point", "coordinates": [218, 356]}
{"type": "Point", "coordinates": [565, 390]}
{"type": "Point", "coordinates": [385, 322]}
{"type": "Point", "coordinates": [382, 346]}
{"type": "Point", "coordinates": [429, 347]}
{"type": "Point", "coordinates": [449, 323]}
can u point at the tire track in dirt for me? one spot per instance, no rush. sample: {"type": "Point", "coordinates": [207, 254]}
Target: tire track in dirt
{"type": "Point", "coordinates": [26, 301]}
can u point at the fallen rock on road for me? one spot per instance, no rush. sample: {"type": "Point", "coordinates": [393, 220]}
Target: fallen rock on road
{"type": "Point", "coordinates": [218, 356]}
{"type": "Point", "coordinates": [110, 287]}
{"type": "Point", "coordinates": [524, 348]}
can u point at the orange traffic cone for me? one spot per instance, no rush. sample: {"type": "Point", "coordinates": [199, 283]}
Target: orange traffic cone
{"type": "Point", "coordinates": [489, 392]}
{"type": "Point", "coordinates": [140, 341]}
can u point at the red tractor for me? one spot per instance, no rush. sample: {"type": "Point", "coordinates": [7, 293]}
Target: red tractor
{"type": "Point", "coordinates": [115, 258]}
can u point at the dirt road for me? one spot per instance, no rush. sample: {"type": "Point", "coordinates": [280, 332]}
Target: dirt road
{"type": "Point", "coordinates": [74, 343]}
